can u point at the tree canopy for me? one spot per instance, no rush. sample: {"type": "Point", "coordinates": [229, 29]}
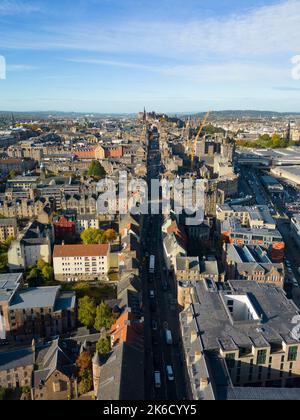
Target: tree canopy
{"type": "Point", "coordinates": [104, 317]}
{"type": "Point", "coordinates": [84, 364]}
{"type": "Point", "coordinates": [96, 170]}
{"type": "Point", "coordinates": [266, 141]}
{"type": "Point", "coordinates": [93, 236]}
{"type": "Point", "coordinates": [87, 311]}
{"type": "Point", "coordinates": [103, 346]}
{"type": "Point", "coordinates": [42, 274]}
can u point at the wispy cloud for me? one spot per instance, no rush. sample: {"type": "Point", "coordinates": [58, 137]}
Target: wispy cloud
{"type": "Point", "coordinates": [287, 88]}
{"type": "Point", "coordinates": [20, 67]}
{"type": "Point", "coordinates": [231, 71]}
{"type": "Point", "coordinates": [12, 7]}
{"type": "Point", "coordinates": [112, 63]}
{"type": "Point", "coordinates": [267, 30]}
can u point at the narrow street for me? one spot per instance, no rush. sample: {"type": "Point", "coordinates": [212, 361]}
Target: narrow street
{"type": "Point", "coordinates": [161, 310]}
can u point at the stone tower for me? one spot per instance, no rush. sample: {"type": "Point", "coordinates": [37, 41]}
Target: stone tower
{"type": "Point", "coordinates": [96, 373]}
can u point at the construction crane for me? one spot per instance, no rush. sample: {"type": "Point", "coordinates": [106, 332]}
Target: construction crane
{"type": "Point", "coordinates": [194, 147]}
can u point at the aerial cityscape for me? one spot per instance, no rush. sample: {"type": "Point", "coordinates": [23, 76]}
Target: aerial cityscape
{"type": "Point", "coordinates": [149, 203]}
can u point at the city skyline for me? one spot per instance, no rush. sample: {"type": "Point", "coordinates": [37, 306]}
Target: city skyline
{"type": "Point", "coordinates": [117, 57]}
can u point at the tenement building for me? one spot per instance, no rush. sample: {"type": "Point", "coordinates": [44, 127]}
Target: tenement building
{"type": "Point", "coordinates": [245, 329]}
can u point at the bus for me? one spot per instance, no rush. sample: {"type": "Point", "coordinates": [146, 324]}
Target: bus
{"type": "Point", "coordinates": [152, 264]}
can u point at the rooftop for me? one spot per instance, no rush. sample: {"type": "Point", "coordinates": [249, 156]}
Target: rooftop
{"type": "Point", "coordinates": [9, 283]}
{"type": "Point", "coordinates": [242, 314]}
{"type": "Point", "coordinates": [63, 251]}
{"type": "Point", "coordinates": [43, 297]}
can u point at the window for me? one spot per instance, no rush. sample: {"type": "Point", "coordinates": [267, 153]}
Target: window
{"type": "Point", "coordinates": [293, 351]}
{"type": "Point", "coordinates": [261, 357]}
{"type": "Point", "coordinates": [230, 360]}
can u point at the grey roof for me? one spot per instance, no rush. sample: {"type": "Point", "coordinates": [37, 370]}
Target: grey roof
{"type": "Point", "coordinates": [122, 376]}
{"type": "Point", "coordinates": [190, 263]}
{"type": "Point", "coordinates": [209, 268]}
{"type": "Point", "coordinates": [15, 359]}
{"type": "Point", "coordinates": [262, 394]}
{"type": "Point", "coordinates": [65, 300]}
{"type": "Point", "coordinates": [9, 283]}
{"type": "Point", "coordinates": [255, 267]}
{"type": "Point", "coordinates": [53, 356]}
{"type": "Point", "coordinates": [129, 281]}
{"type": "Point", "coordinates": [218, 329]}
{"type": "Point", "coordinates": [39, 297]}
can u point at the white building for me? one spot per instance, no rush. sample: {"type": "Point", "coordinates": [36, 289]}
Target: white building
{"type": "Point", "coordinates": [81, 262]}
{"type": "Point", "coordinates": [86, 221]}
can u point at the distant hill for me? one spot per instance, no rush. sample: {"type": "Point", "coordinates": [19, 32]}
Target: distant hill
{"type": "Point", "coordinates": [226, 114]}
{"type": "Point", "coordinates": [58, 114]}
{"type": "Point", "coordinates": [246, 114]}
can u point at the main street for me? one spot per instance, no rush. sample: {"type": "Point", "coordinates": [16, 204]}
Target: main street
{"type": "Point", "coordinates": [160, 312]}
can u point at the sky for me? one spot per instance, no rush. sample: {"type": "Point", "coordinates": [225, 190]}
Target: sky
{"type": "Point", "coordinates": [167, 55]}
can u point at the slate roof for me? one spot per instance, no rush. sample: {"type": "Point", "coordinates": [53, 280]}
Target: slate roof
{"type": "Point", "coordinates": [15, 359]}
{"type": "Point", "coordinates": [122, 376]}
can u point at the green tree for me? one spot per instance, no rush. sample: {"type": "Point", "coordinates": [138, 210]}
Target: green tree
{"type": "Point", "coordinates": [86, 383]}
{"type": "Point", "coordinates": [33, 276]}
{"type": "Point", "coordinates": [2, 394]}
{"type": "Point", "coordinates": [48, 273]}
{"type": "Point", "coordinates": [41, 264]}
{"type": "Point", "coordinates": [92, 236]}
{"type": "Point", "coordinates": [103, 347]}
{"type": "Point", "coordinates": [12, 174]}
{"type": "Point", "coordinates": [104, 317]}
{"type": "Point", "coordinates": [87, 311]}
{"type": "Point", "coordinates": [96, 170]}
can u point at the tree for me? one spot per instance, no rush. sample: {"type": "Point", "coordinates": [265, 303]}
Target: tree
{"type": "Point", "coordinates": [87, 311]}
{"type": "Point", "coordinates": [33, 276]}
{"type": "Point", "coordinates": [48, 273]}
{"type": "Point", "coordinates": [86, 383]}
{"type": "Point", "coordinates": [12, 174]}
{"type": "Point", "coordinates": [84, 364]}
{"type": "Point", "coordinates": [103, 347]}
{"type": "Point", "coordinates": [41, 264]}
{"type": "Point", "coordinates": [104, 318]}
{"type": "Point", "coordinates": [2, 394]}
{"type": "Point", "coordinates": [92, 236]}
{"type": "Point", "coordinates": [96, 170]}
{"type": "Point", "coordinates": [110, 235]}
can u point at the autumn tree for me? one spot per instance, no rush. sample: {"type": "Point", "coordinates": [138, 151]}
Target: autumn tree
{"type": "Point", "coordinates": [110, 235]}
{"type": "Point", "coordinates": [84, 365]}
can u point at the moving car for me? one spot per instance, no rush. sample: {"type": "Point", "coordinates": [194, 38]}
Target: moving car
{"type": "Point", "coordinates": [157, 379]}
{"type": "Point", "coordinates": [170, 373]}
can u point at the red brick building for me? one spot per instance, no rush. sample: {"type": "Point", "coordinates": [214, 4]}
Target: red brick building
{"type": "Point", "coordinates": [64, 230]}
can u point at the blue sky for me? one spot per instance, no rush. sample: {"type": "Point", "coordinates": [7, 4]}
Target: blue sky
{"type": "Point", "coordinates": [169, 55]}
